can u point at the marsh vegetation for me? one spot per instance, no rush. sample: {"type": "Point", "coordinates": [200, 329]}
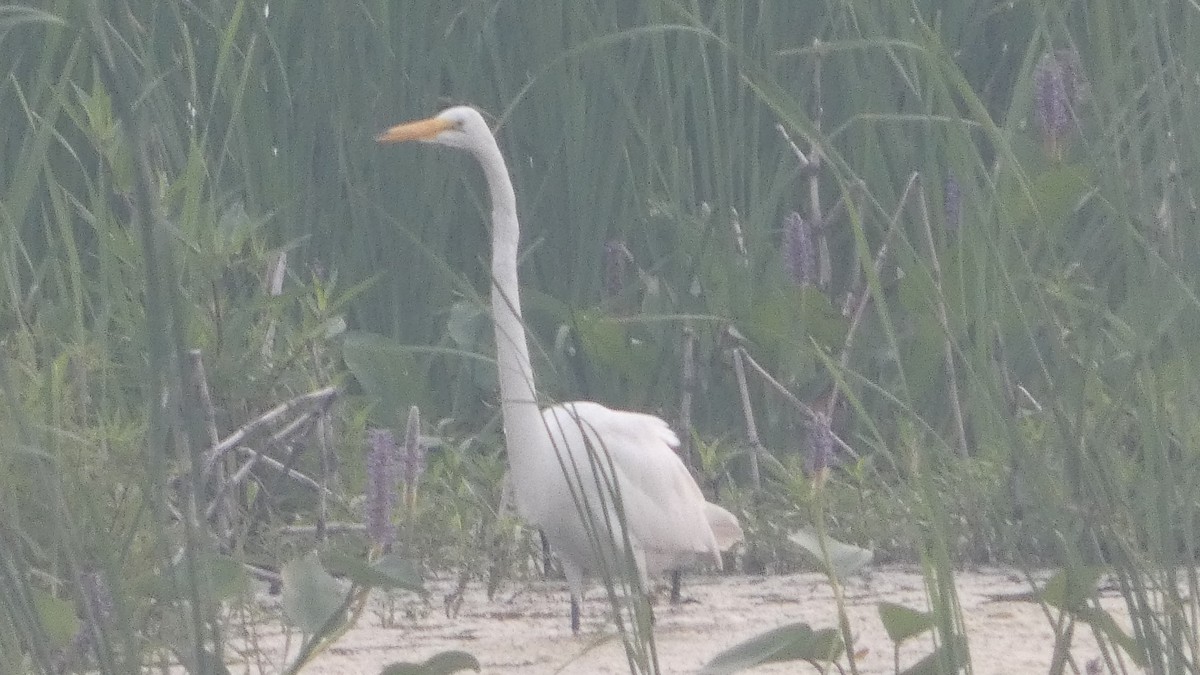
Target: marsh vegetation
{"type": "Point", "coordinates": [914, 282]}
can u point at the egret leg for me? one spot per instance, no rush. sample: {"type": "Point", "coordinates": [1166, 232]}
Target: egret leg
{"type": "Point", "coordinates": [546, 570]}
{"type": "Point", "coordinates": [574, 615]}
{"type": "Point", "coordinates": [675, 587]}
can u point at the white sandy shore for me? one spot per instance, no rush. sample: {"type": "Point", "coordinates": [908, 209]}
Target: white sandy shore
{"type": "Point", "coordinates": [524, 630]}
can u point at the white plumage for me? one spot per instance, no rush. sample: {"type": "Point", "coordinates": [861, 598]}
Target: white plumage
{"type": "Point", "coordinates": [573, 455]}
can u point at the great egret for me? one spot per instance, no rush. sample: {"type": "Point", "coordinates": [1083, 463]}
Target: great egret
{"type": "Point", "coordinates": [667, 518]}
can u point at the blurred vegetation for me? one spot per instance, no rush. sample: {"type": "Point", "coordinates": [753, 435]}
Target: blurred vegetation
{"type": "Point", "coordinates": [1001, 332]}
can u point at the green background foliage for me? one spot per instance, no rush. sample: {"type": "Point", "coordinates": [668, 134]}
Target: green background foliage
{"type": "Point", "coordinates": [158, 158]}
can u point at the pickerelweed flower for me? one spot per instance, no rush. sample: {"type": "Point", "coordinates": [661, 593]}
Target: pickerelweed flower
{"type": "Point", "coordinates": [616, 258]}
{"type": "Point", "coordinates": [381, 486]}
{"type": "Point", "coordinates": [1058, 90]}
{"type": "Point", "coordinates": [820, 438]}
{"type": "Point", "coordinates": [952, 203]}
{"type": "Point", "coordinates": [98, 608]}
{"type": "Point", "coordinates": [799, 251]}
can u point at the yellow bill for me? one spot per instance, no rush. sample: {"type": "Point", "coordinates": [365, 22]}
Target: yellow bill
{"type": "Point", "coordinates": [421, 130]}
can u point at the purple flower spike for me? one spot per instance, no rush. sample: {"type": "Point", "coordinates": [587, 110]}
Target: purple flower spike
{"type": "Point", "coordinates": [799, 253]}
{"type": "Point", "coordinates": [820, 437]}
{"type": "Point", "coordinates": [952, 203]}
{"type": "Point", "coordinates": [381, 486]}
{"type": "Point", "coordinates": [616, 258]}
{"type": "Point", "coordinates": [98, 609]}
{"type": "Point", "coordinates": [1059, 88]}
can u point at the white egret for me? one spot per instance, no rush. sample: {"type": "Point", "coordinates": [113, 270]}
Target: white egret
{"type": "Point", "coordinates": [667, 518]}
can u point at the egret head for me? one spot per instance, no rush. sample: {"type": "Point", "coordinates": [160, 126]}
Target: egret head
{"type": "Point", "coordinates": [458, 127]}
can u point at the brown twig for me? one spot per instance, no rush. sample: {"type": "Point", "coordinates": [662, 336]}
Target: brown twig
{"type": "Point", "coordinates": [327, 465]}
{"type": "Point", "coordinates": [279, 438]}
{"type": "Point", "coordinates": [792, 398]}
{"type": "Point", "coordinates": [756, 444]}
{"type": "Point", "coordinates": [223, 510]}
{"type": "Point", "coordinates": [687, 387]}
{"type": "Point", "coordinates": [320, 399]}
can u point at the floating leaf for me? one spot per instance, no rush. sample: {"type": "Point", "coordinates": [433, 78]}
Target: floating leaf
{"type": "Point", "coordinates": [844, 559]}
{"type": "Point", "coordinates": [793, 642]}
{"type": "Point", "coordinates": [441, 664]}
{"type": "Point", "coordinates": [902, 623]}
{"type": "Point", "coordinates": [311, 596]}
{"type": "Point", "coordinates": [390, 571]}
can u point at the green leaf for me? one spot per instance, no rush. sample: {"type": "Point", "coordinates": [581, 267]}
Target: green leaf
{"type": "Point", "coordinates": [610, 345]}
{"type": "Point", "coordinates": [1070, 589]}
{"type": "Point", "coordinates": [1052, 195]}
{"type": "Point", "coordinates": [440, 664]}
{"type": "Point", "coordinates": [12, 16]}
{"type": "Point", "coordinates": [792, 315]}
{"type": "Point", "coordinates": [387, 371]}
{"type": "Point", "coordinates": [844, 559]}
{"type": "Point", "coordinates": [390, 571]}
{"type": "Point", "coordinates": [176, 630]}
{"type": "Point", "coordinates": [1103, 621]}
{"type": "Point", "coordinates": [311, 596]}
{"type": "Point", "coordinates": [933, 662]}
{"type": "Point", "coordinates": [793, 642]}
{"type": "Point", "coordinates": [466, 325]}
{"type": "Point", "coordinates": [902, 623]}
{"type": "Point", "coordinates": [235, 227]}
{"type": "Point", "coordinates": [220, 577]}
{"type": "Point", "coordinates": [57, 616]}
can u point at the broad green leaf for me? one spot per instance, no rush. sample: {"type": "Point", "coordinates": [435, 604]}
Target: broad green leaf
{"type": "Point", "coordinates": [57, 616]}
{"type": "Point", "coordinates": [1054, 192]}
{"type": "Point", "coordinates": [220, 577]}
{"type": "Point", "coordinates": [1103, 621]}
{"type": "Point", "coordinates": [902, 623]}
{"type": "Point", "coordinates": [311, 596]}
{"type": "Point", "coordinates": [466, 325]}
{"type": "Point", "coordinates": [387, 371]}
{"type": "Point", "coordinates": [440, 664]}
{"type": "Point", "coordinates": [226, 577]}
{"type": "Point", "coordinates": [611, 347]}
{"type": "Point", "coordinates": [793, 642]}
{"type": "Point", "coordinates": [793, 315]}
{"type": "Point", "coordinates": [333, 327]}
{"type": "Point", "coordinates": [844, 559]}
{"type": "Point", "coordinates": [932, 663]}
{"type": "Point", "coordinates": [1070, 589]}
{"type": "Point", "coordinates": [234, 228]}
{"type": "Point", "coordinates": [390, 571]}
